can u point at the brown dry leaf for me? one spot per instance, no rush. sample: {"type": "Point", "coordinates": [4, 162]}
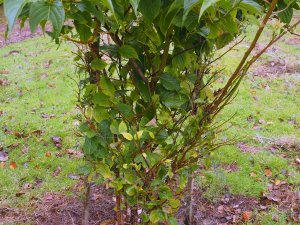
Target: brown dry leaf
{"type": "Point", "coordinates": [13, 165]}
{"type": "Point", "coordinates": [25, 150]}
{"type": "Point", "coordinates": [48, 154]}
{"type": "Point", "coordinates": [13, 146]}
{"type": "Point", "coordinates": [268, 172]}
{"type": "Point", "coordinates": [2, 164]}
{"type": "Point", "coordinates": [56, 172]}
{"type": "Point", "coordinates": [246, 216]}
{"type": "Point", "coordinates": [19, 194]}
{"type": "Point", "coordinates": [252, 174]}
{"type": "Point", "coordinates": [4, 72]}
{"type": "Point", "coordinates": [4, 82]}
{"type": "Point", "coordinates": [20, 134]}
{"type": "Point", "coordinates": [75, 153]}
{"type": "Point", "coordinates": [57, 141]}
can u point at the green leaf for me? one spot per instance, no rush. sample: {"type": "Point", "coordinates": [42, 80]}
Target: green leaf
{"type": "Point", "coordinates": [131, 191]}
{"type": "Point", "coordinates": [12, 9]}
{"type": "Point", "coordinates": [173, 99]}
{"type": "Point", "coordinates": [107, 87]}
{"type": "Point", "coordinates": [174, 203]}
{"type": "Point", "coordinates": [101, 99]}
{"type": "Point", "coordinates": [156, 216]}
{"type": "Point", "coordinates": [83, 30]}
{"type": "Point", "coordinates": [169, 82]}
{"type": "Point", "coordinates": [100, 113]}
{"type": "Point", "coordinates": [165, 193]}
{"type": "Point", "coordinates": [187, 7]}
{"type": "Point", "coordinates": [127, 136]}
{"type": "Point", "coordinates": [229, 25]}
{"type": "Point", "coordinates": [86, 5]}
{"type": "Point", "coordinates": [223, 40]}
{"type": "Point", "coordinates": [205, 5]}
{"type": "Point", "coordinates": [128, 52]}
{"type": "Point", "coordinates": [114, 127]}
{"type": "Point", "coordinates": [150, 9]}
{"type": "Point", "coordinates": [110, 5]}
{"type": "Point", "coordinates": [250, 5]}
{"type": "Point", "coordinates": [124, 109]}
{"type": "Point", "coordinates": [135, 5]}
{"type": "Point", "coordinates": [98, 64]}
{"type": "Point", "coordinates": [47, 11]}
{"type": "Point", "coordinates": [172, 221]}
{"type": "Point", "coordinates": [286, 13]}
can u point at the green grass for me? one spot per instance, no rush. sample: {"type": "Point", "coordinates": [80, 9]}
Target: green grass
{"type": "Point", "coordinates": [53, 94]}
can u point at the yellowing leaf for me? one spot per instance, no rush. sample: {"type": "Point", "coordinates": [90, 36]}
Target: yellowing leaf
{"type": "Point", "coordinates": [151, 134]}
{"type": "Point", "coordinates": [139, 134]}
{"type": "Point", "coordinates": [277, 182]}
{"type": "Point", "coordinates": [127, 136]}
{"type": "Point", "coordinates": [122, 127]}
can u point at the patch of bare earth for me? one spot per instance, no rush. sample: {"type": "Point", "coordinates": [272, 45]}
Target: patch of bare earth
{"type": "Point", "coordinates": [276, 68]}
{"type": "Point", "coordinates": [59, 209]}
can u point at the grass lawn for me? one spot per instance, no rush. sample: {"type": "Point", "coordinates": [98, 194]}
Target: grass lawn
{"type": "Point", "coordinates": [37, 102]}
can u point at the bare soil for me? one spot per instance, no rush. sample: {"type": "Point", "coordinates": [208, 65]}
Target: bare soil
{"type": "Point", "coordinates": [57, 208]}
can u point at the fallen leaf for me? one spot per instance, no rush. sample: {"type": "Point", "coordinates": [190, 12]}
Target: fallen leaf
{"type": "Point", "coordinates": [246, 216]}
{"type": "Point", "coordinates": [20, 134]}
{"type": "Point", "coordinates": [252, 174]}
{"type": "Point", "coordinates": [268, 172]}
{"type": "Point", "coordinates": [56, 172]}
{"type": "Point", "coordinates": [48, 64]}
{"type": "Point", "coordinates": [3, 156]}
{"type": "Point", "coordinates": [75, 153]}
{"type": "Point", "coordinates": [275, 218]}
{"type": "Point", "coordinates": [4, 82]}
{"type": "Point", "coordinates": [73, 176]}
{"type": "Point", "coordinates": [297, 160]}
{"type": "Point", "coordinates": [19, 194]}
{"type": "Point", "coordinates": [48, 116]}
{"type": "Point", "coordinates": [57, 141]}
{"type": "Point", "coordinates": [48, 154]}
{"type": "Point", "coordinates": [13, 146]}
{"type": "Point", "coordinates": [44, 75]}
{"type": "Point", "coordinates": [13, 165]}
{"type": "Point", "coordinates": [2, 164]}
{"type": "Point", "coordinates": [4, 72]}
{"type": "Point", "coordinates": [25, 150]}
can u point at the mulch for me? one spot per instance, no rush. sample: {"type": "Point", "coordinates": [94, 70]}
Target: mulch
{"type": "Point", "coordinates": [57, 208]}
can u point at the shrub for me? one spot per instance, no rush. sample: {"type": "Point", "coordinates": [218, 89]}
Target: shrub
{"type": "Point", "coordinates": [149, 99]}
